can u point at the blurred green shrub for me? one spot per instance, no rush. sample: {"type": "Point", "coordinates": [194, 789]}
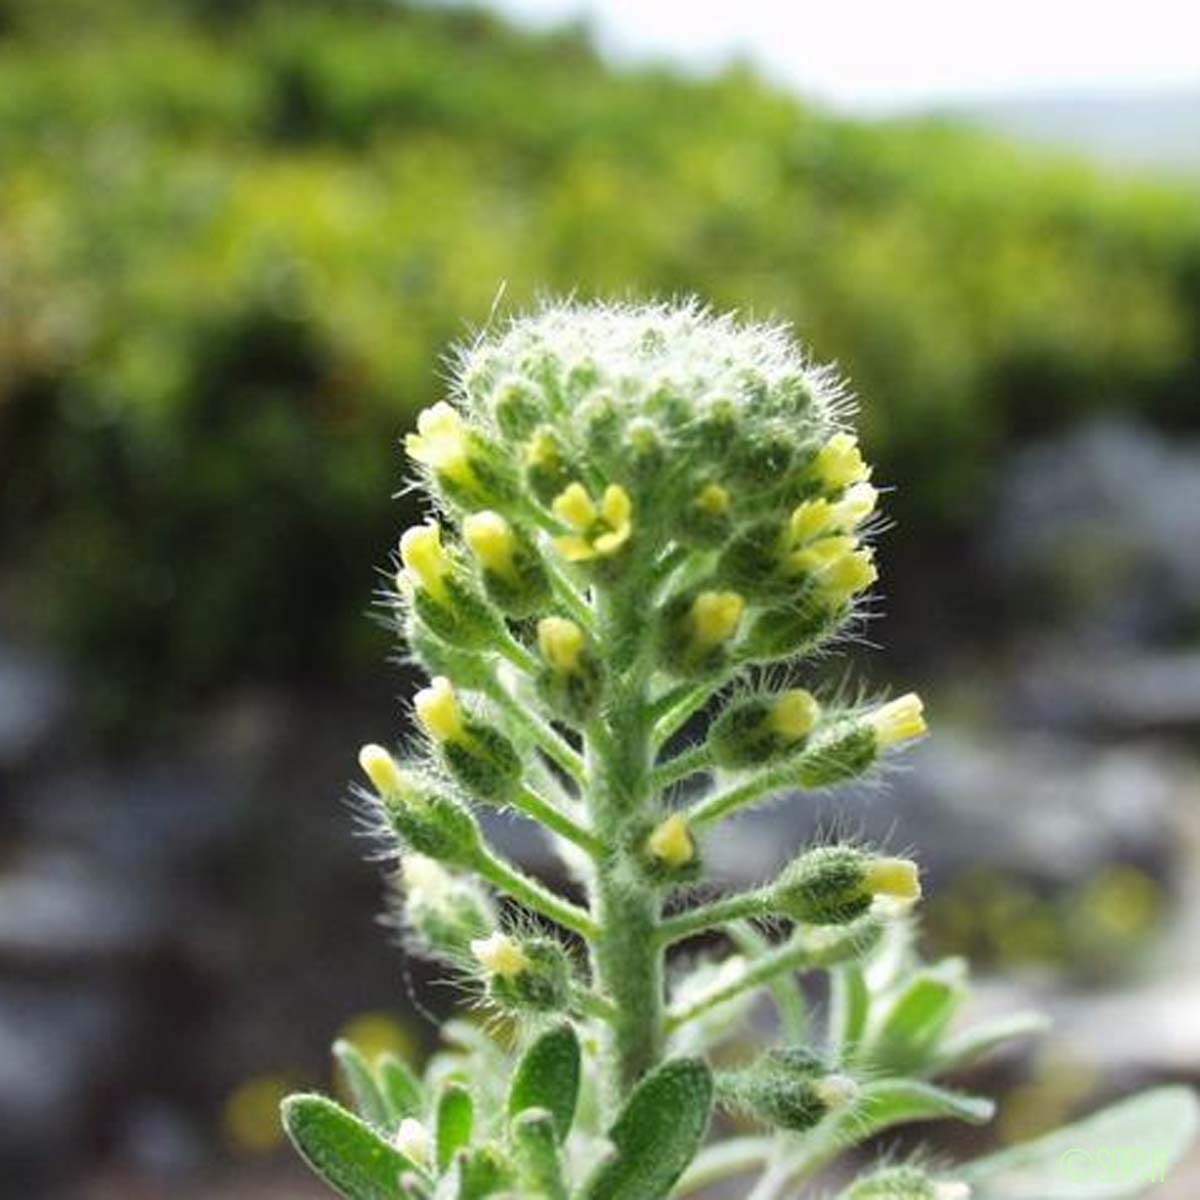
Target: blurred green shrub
{"type": "Point", "coordinates": [233, 235]}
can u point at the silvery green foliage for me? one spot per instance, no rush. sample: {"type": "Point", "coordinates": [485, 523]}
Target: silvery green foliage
{"type": "Point", "coordinates": [641, 515]}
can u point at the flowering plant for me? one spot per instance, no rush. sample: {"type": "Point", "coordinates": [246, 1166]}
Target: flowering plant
{"type": "Point", "coordinates": [640, 516]}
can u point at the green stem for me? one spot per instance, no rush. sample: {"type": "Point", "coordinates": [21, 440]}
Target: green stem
{"type": "Point", "coordinates": [516, 654]}
{"type": "Point", "coordinates": [803, 950]}
{"type": "Point", "coordinates": [593, 1005]}
{"type": "Point", "coordinates": [710, 916]}
{"type": "Point", "coordinates": [547, 814]}
{"type": "Point", "coordinates": [541, 734]}
{"type": "Point", "coordinates": [689, 762]}
{"type": "Point", "coordinates": [719, 805]}
{"type": "Point", "coordinates": [673, 708]}
{"type": "Point", "coordinates": [627, 958]}
{"type": "Point", "coordinates": [535, 895]}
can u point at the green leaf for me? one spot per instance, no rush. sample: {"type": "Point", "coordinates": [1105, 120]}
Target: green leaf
{"type": "Point", "coordinates": [976, 1043]}
{"type": "Point", "coordinates": [900, 1101]}
{"type": "Point", "coordinates": [368, 1099]}
{"type": "Point", "coordinates": [347, 1154]}
{"type": "Point", "coordinates": [455, 1118]}
{"type": "Point", "coordinates": [1119, 1152]}
{"type": "Point", "coordinates": [906, 1039]}
{"type": "Point", "coordinates": [547, 1077]}
{"type": "Point", "coordinates": [402, 1091]}
{"type": "Point", "coordinates": [539, 1168]}
{"type": "Point", "coordinates": [657, 1133]}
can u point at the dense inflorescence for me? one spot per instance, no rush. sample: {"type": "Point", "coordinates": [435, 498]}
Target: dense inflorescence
{"type": "Point", "coordinates": [638, 516]}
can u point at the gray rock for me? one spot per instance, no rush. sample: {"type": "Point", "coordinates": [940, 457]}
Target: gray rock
{"type": "Point", "coordinates": [34, 700]}
{"type": "Point", "coordinates": [60, 909]}
{"type": "Point", "coordinates": [1105, 522]}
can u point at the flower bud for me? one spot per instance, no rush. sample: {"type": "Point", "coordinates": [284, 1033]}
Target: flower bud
{"type": "Point", "coordinates": [714, 618]}
{"type": "Point", "coordinates": [847, 576]}
{"type": "Point", "coordinates": [761, 728]}
{"type": "Point", "coordinates": [839, 463]}
{"type": "Point", "coordinates": [424, 819]}
{"type": "Point", "coordinates": [446, 911]}
{"type": "Point", "coordinates": [899, 720]}
{"type": "Point", "coordinates": [381, 769]}
{"type": "Point", "coordinates": [790, 1088]}
{"type": "Point", "coordinates": [413, 1141]}
{"type": "Point", "coordinates": [479, 757]}
{"type": "Point", "coordinates": [819, 517]}
{"type": "Point", "coordinates": [440, 599]}
{"type": "Point", "coordinates": [512, 571]}
{"type": "Point", "coordinates": [546, 468]}
{"type": "Point", "coordinates": [696, 629]}
{"type": "Point", "coordinates": [671, 844]}
{"type": "Point", "coordinates": [517, 409]}
{"type": "Point", "coordinates": [600, 532]}
{"type": "Point", "coordinates": [705, 521]}
{"type": "Point", "coordinates": [795, 627]}
{"type": "Point", "coordinates": [441, 443]}
{"type": "Point", "coordinates": [834, 885]}
{"type": "Point", "coordinates": [570, 682]}
{"type": "Point", "coordinates": [466, 468]}
{"type": "Point", "coordinates": [526, 975]}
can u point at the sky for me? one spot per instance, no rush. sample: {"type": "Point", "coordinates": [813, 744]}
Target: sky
{"type": "Point", "coordinates": [891, 54]}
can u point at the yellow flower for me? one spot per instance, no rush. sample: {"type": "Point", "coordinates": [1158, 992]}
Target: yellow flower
{"type": "Point", "coordinates": [896, 878]}
{"type": "Point", "coordinates": [601, 533]}
{"type": "Point", "coordinates": [492, 542]}
{"type": "Point", "coordinates": [426, 563]}
{"type": "Point", "coordinates": [899, 720]}
{"type": "Point", "coordinates": [816, 517]}
{"type": "Point", "coordinates": [794, 714]}
{"type": "Point", "coordinates": [715, 617]}
{"type": "Point", "coordinates": [820, 555]}
{"type": "Point", "coordinates": [839, 463]}
{"type": "Point", "coordinates": [500, 955]}
{"type": "Point", "coordinates": [438, 711]}
{"type": "Point", "coordinates": [441, 443]}
{"type": "Point", "coordinates": [671, 842]}
{"type": "Point", "coordinates": [847, 576]}
{"type": "Point", "coordinates": [381, 769]}
{"type": "Point", "coordinates": [561, 643]}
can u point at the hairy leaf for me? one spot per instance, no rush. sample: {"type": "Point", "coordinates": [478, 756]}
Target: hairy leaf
{"type": "Point", "coordinates": [455, 1119]}
{"type": "Point", "coordinates": [402, 1090]}
{"type": "Point", "coordinates": [535, 1142]}
{"type": "Point", "coordinates": [1119, 1152]}
{"type": "Point", "coordinates": [657, 1133]}
{"type": "Point", "coordinates": [368, 1098]}
{"type": "Point", "coordinates": [347, 1154]}
{"type": "Point", "coordinates": [547, 1077]}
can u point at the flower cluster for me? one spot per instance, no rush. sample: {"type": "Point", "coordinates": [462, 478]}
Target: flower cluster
{"type": "Point", "coordinates": [634, 512]}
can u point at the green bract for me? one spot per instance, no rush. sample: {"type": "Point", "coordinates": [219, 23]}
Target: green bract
{"type": "Point", "coordinates": [635, 508]}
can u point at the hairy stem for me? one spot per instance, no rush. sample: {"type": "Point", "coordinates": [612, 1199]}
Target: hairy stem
{"type": "Point", "coordinates": [627, 957]}
{"type": "Point", "coordinates": [710, 916]}
{"type": "Point", "coordinates": [535, 896]}
{"type": "Point", "coordinates": [553, 818]}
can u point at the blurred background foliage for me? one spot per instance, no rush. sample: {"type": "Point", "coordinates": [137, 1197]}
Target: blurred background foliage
{"type": "Point", "coordinates": [236, 238]}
